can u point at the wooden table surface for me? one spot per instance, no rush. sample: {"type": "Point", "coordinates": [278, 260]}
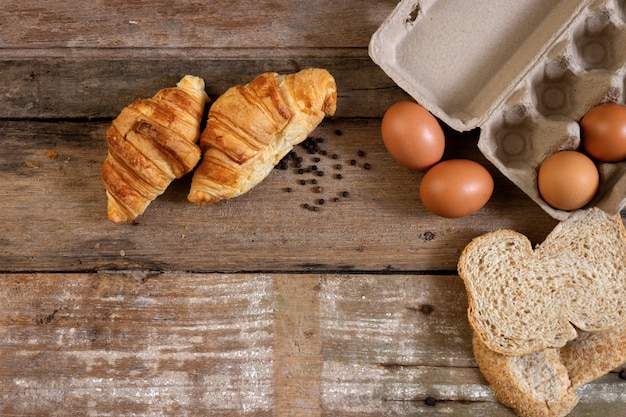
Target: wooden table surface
{"type": "Point", "coordinates": [254, 306]}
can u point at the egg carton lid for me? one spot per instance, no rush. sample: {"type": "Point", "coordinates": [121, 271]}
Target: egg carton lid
{"type": "Point", "coordinates": [461, 59]}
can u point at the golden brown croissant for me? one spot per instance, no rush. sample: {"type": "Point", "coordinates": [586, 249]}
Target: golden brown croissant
{"type": "Point", "coordinates": [150, 143]}
{"type": "Point", "coordinates": [252, 127]}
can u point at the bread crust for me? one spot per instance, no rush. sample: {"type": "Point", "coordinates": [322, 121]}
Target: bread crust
{"type": "Point", "coordinates": [594, 354]}
{"type": "Point", "coordinates": [574, 331]}
{"type": "Point", "coordinates": [523, 300]}
{"type": "Point", "coordinates": [534, 385]}
{"type": "Point", "coordinates": [582, 360]}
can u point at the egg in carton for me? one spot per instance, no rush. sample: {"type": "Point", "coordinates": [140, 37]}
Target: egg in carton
{"type": "Point", "coordinates": [525, 72]}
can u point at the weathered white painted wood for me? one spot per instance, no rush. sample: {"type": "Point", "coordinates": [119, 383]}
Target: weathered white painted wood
{"type": "Point", "coordinates": [246, 344]}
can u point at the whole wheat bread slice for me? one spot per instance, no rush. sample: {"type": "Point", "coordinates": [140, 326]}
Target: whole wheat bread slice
{"type": "Point", "coordinates": [592, 355]}
{"type": "Point", "coordinates": [533, 385]}
{"type": "Point", "coordinates": [523, 300]}
{"type": "Point", "coordinates": [543, 384]}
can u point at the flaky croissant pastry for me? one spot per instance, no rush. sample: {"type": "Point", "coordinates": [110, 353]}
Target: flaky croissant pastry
{"type": "Point", "coordinates": [251, 128]}
{"type": "Point", "coordinates": [150, 143]}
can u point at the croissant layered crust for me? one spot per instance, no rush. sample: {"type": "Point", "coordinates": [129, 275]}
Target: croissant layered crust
{"type": "Point", "coordinates": [250, 128]}
{"type": "Point", "coordinates": [152, 142]}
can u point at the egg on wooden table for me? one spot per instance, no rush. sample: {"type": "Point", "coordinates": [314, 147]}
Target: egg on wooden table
{"type": "Point", "coordinates": [456, 188]}
{"type": "Point", "coordinates": [412, 135]}
{"type": "Point", "coordinates": [568, 180]}
{"type": "Point", "coordinates": [604, 132]}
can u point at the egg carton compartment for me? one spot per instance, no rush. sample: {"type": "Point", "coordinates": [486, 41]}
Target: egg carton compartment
{"type": "Point", "coordinates": [583, 69]}
{"type": "Point", "coordinates": [520, 139]}
{"type": "Point", "coordinates": [561, 89]}
{"type": "Point", "coordinates": [525, 72]}
{"type": "Point", "coordinates": [599, 38]}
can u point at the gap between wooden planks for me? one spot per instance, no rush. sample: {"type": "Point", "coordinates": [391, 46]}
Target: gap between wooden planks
{"type": "Point", "coordinates": [113, 344]}
{"type": "Point", "coordinates": [190, 344]}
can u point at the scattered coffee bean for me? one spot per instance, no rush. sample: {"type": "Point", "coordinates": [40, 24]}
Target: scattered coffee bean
{"type": "Point", "coordinates": [367, 166]}
{"type": "Point", "coordinates": [314, 168]}
{"type": "Point", "coordinates": [335, 156]}
{"type": "Point", "coordinates": [361, 153]}
{"type": "Point", "coordinates": [345, 194]}
{"type": "Point", "coordinates": [321, 201]}
{"type": "Point", "coordinates": [288, 189]}
{"type": "Point", "coordinates": [320, 173]}
{"type": "Point", "coordinates": [316, 159]}
{"type": "Point", "coordinates": [353, 162]}
{"type": "Point", "coordinates": [338, 132]}
{"type": "Point", "coordinates": [339, 176]}
{"type": "Point", "coordinates": [302, 182]}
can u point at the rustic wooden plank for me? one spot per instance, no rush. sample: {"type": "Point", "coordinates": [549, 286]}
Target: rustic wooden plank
{"type": "Point", "coordinates": [369, 391]}
{"type": "Point", "coordinates": [392, 342]}
{"type": "Point", "coordinates": [91, 86]}
{"type": "Point", "coordinates": [246, 344]}
{"type": "Point", "coordinates": [190, 23]}
{"type": "Point", "coordinates": [250, 307]}
{"type": "Point", "coordinates": [110, 345]}
{"type": "Point", "coordinates": [54, 211]}
{"type": "Point", "coordinates": [298, 346]}
{"type": "Point", "coordinates": [418, 320]}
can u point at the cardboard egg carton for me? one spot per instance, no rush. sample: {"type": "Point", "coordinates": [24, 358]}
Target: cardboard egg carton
{"type": "Point", "coordinates": [523, 71]}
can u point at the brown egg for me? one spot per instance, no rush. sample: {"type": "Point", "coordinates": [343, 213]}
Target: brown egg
{"type": "Point", "coordinates": [568, 180]}
{"type": "Point", "coordinates": [456, 188]}
{"type": "Point", "coordinates": [604, 132]}
{"type": "Point", "coordinates": [412, 135]}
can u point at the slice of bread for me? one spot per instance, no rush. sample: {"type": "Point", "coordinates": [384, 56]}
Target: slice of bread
{"type": "Point", "coordinates": [592, 355]}
{"type": "Point", "coordinates": [533, 385]}
{"type": "Point", "coordinates": [523, 300]}
{"type": "Point", "coordinates": [543, 384]}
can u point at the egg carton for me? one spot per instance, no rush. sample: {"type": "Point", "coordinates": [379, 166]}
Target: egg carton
{"type": "Point", "coordinates": [524, 71]}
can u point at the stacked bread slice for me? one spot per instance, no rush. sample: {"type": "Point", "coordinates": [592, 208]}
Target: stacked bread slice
{"type": "Point", "coordinates": [550, 319]}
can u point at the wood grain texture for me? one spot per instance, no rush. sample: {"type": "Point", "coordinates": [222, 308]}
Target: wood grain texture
{"type": "Point", "coordinates": [245, 344]}
{"type": "Point", "coordinates": [380, 226]}
{"type": "Point", "coordinates": [191, 23]}
{"type": "Point", "coordinates": [136, 344]}
{"type": "Point", "coordinates": [59, 86]}
{"type": "Point", "coordinates": [255, 306]}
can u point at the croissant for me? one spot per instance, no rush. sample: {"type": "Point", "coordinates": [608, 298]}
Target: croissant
{"type": "Point", "coordinates": [250, 128]}
{"type": "Point", "coordinates": [150, 143]}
